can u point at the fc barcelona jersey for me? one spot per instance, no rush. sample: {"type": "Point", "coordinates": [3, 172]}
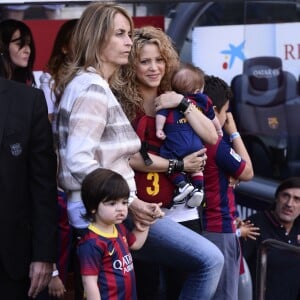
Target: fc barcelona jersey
{"type": "Point", "coordinates": [108, 257]}
{"type": "Point", "coordinates": [222, 162]}
{"type": "Point", "coordinates": [153, 187]}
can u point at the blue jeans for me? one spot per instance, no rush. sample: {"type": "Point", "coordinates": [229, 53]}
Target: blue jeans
{"type": "Point", "coordinates": [173, 245]}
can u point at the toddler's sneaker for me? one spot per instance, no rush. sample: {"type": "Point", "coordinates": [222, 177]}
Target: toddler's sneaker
{"type": "Point", "coordinates": [183, 190]}
{"type": "Point", "coordinates": [195, 198]}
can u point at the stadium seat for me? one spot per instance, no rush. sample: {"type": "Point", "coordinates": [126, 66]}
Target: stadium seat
{"type": "Point", "coordinates": [266, 106]}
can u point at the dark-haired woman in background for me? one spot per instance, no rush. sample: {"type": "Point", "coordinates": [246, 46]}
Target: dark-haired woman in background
{"type": "Point", "coordinates": [17, 52]}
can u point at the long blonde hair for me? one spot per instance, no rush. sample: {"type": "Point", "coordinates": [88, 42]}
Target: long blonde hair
{"type": "Point", "coordinates": [126, 85]}
{"type": "Point", "coordinates": [90, 37]}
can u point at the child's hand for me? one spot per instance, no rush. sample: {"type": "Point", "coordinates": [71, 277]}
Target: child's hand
{"type": "Point", "coordinates": [248, 230]}
{"type": "Point", "coordinates": [160, 134]}
{"type": "Point", "coordinates": [238, 222]}
{"type": "Point", "coordinates": [56, 288]}
{"type": "Point", "coordinates": [145, 214]}
{"type": "Point", "coordinates": [233, 182]}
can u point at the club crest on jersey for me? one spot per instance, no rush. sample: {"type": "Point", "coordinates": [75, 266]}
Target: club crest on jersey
{"type": "Point", "coordinates": [16, 149]}
{"type": "Point", "coordinates": [273, 122]}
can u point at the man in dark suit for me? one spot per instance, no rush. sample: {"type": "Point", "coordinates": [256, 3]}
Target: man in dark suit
{"type": "Point", "coordinates": [28, 193]}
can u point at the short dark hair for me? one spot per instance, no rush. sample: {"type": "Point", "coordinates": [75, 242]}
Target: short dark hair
{"type": "Point", "coordinates": [217, 90]}
{"type": "Point", "coordinates": [102, 185]}
{"type": "Point", "coordinates": [291, 182]}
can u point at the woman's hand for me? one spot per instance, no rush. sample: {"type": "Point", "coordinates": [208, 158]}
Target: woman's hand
{"type": "Point", "coordinates": [167, 100]}
{"type": "Point", "coordinates": [144, 213]}
{"type": "Point", "coordinates": [195, 162]}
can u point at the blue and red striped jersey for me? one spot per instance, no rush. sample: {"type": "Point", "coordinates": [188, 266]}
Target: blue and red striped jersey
{"type": "Point", "coordinates": [222, 163]}
{"type": "Point", "coordinates": [108, 257]}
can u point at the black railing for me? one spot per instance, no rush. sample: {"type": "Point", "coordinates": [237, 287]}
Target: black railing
{"type": "Point", "coordinates": [261, 270]}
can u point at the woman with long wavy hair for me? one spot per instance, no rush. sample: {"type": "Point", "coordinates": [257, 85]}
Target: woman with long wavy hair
{"type": "Point", "coordinates": [144, 88]}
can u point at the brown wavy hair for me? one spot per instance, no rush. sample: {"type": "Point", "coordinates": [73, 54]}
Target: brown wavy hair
{"type": "Point", "coordinates": [61, 48]}
{"type": "Point", "coordinates": [126, 86]}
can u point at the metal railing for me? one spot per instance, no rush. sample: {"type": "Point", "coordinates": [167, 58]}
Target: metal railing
{"type": "Point", "coordinates": [261, 270]}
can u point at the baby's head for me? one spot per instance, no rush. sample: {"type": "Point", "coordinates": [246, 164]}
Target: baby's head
{"type": "Point", "coordinates": [188, 79]}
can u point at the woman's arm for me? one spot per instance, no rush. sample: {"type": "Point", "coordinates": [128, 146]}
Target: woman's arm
{"type": "Point", "coordinates": [145, 214]}
{"type": "Point", "coordinates": [202, 125]}
{"type": "Point", "coordinates": [193, 162]}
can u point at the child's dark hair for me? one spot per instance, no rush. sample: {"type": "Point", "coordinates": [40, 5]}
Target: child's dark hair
{"type": "Point", "coordinates": [102, 185]}
{"type": "Point", "coordinates": [187, 79]}
{"type": "Point", "coordinates": [218, 91]}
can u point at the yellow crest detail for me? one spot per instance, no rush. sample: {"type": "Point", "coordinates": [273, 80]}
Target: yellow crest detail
{"type": "Point", "coordinates": [273, 122]}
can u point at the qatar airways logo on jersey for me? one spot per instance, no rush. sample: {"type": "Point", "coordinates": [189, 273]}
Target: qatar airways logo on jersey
{"type": "Point", "coordinates": [125, 264]}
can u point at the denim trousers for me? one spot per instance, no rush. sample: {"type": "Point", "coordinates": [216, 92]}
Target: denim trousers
{"type": "Point", "coordinates": [172, 245]}
{"type": "Point", "coordinates": [229, 244]}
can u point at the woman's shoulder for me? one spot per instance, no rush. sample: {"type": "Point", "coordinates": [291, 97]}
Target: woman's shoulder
{"type": "Point", "coordinates": [89, 77]}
